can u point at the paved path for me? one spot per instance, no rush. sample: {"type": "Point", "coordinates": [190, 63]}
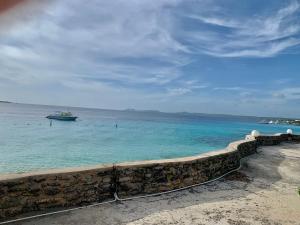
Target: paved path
{"type": "Point", "coordinates": [264, 192]}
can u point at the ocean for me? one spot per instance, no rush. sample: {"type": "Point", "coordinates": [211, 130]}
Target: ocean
{"type": "Point", "coordinates": [29, 143]}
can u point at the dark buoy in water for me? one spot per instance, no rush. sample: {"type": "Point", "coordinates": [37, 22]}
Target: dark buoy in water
{"type": "Point", "coordinates": [50, 123]}
{"type": "Point", "coordinates": [116, 125]}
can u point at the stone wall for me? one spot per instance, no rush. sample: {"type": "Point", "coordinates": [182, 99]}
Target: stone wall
{"type": "Point", "coordinates": [159, 177]}
{"type": "Point", "coordinates": [65, 188]}
{"type": "Point", "coordinates": [75, 187]}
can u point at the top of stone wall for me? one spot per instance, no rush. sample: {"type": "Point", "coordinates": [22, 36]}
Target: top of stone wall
{"type": "Point", "coordinates": [68, 170]}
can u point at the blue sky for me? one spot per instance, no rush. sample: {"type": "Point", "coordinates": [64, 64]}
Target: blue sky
{"type": "Point", "coordinates": [212, 56]}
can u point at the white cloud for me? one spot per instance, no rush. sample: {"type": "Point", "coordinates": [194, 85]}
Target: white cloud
{"type": "Point", "coordinates": [178, 91]}
{"type": "Point", "coordinates": [123, 41]}
{"type": "Point", "coordinates": [228, 88]}
{"type": "Point", "coordinates": [253, 36]}
{"type": "Point", "coordinates": [289, 93]}
{"type": "Point", "coordinates": [217, 21]}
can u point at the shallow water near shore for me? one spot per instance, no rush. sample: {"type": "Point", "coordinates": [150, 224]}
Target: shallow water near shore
{"type": "Point", "coordinates": [27, 142]}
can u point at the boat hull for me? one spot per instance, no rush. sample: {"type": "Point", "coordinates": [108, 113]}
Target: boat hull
{"type": "Point", "coordinates": [62, 118]}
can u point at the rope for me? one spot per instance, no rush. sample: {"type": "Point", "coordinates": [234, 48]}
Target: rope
{"type": "Point", "coordinates": [175, 190]}
{"type": "Point", "coordinates": [56, 212]}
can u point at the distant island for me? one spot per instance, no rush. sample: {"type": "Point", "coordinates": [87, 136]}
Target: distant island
{"type": "Point", "coordinates": [5, 102]}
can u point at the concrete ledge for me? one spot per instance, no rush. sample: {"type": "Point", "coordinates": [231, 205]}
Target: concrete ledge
{"type": "Point", "coordinates": [27, 192]}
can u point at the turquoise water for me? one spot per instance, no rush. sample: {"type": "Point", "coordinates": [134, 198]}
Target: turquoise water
{"type": "Point", "coordinates": [27, 142]}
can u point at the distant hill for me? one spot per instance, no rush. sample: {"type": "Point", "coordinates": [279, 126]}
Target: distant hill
{"type": "Point", "coordinates": [5, 102]}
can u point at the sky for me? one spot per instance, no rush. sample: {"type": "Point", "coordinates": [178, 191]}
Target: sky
{"type": "Point", "coordinates": [212, 56]}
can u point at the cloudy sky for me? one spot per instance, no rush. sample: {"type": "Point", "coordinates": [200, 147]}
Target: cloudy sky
{"type": "Point", "coordinates": [213, 56]}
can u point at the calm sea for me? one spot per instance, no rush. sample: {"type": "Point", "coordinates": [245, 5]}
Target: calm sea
{"type": "Point", "coordinates": [27, 142]}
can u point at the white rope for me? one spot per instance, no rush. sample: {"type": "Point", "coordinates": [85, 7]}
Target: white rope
{"type": "Point", "coordinates": [175, 190]}
{"type": "Point", "coordinates": [56, 212]}
{"type": "Point", "coordinates": [120, 199]}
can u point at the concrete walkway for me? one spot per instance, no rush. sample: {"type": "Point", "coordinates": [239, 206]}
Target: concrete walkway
{"type": "Point", "coordinates": [264, 191]}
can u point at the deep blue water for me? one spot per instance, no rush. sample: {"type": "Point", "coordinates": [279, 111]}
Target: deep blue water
{"type": "Point", "coordinates": [27, 142]}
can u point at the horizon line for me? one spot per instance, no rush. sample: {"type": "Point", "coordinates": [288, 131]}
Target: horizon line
{"type": "Point", "coordinates": [148, 110]}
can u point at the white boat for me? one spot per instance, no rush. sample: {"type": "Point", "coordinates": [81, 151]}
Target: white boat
{"type": "Point", "coordinates": [65, 116]}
